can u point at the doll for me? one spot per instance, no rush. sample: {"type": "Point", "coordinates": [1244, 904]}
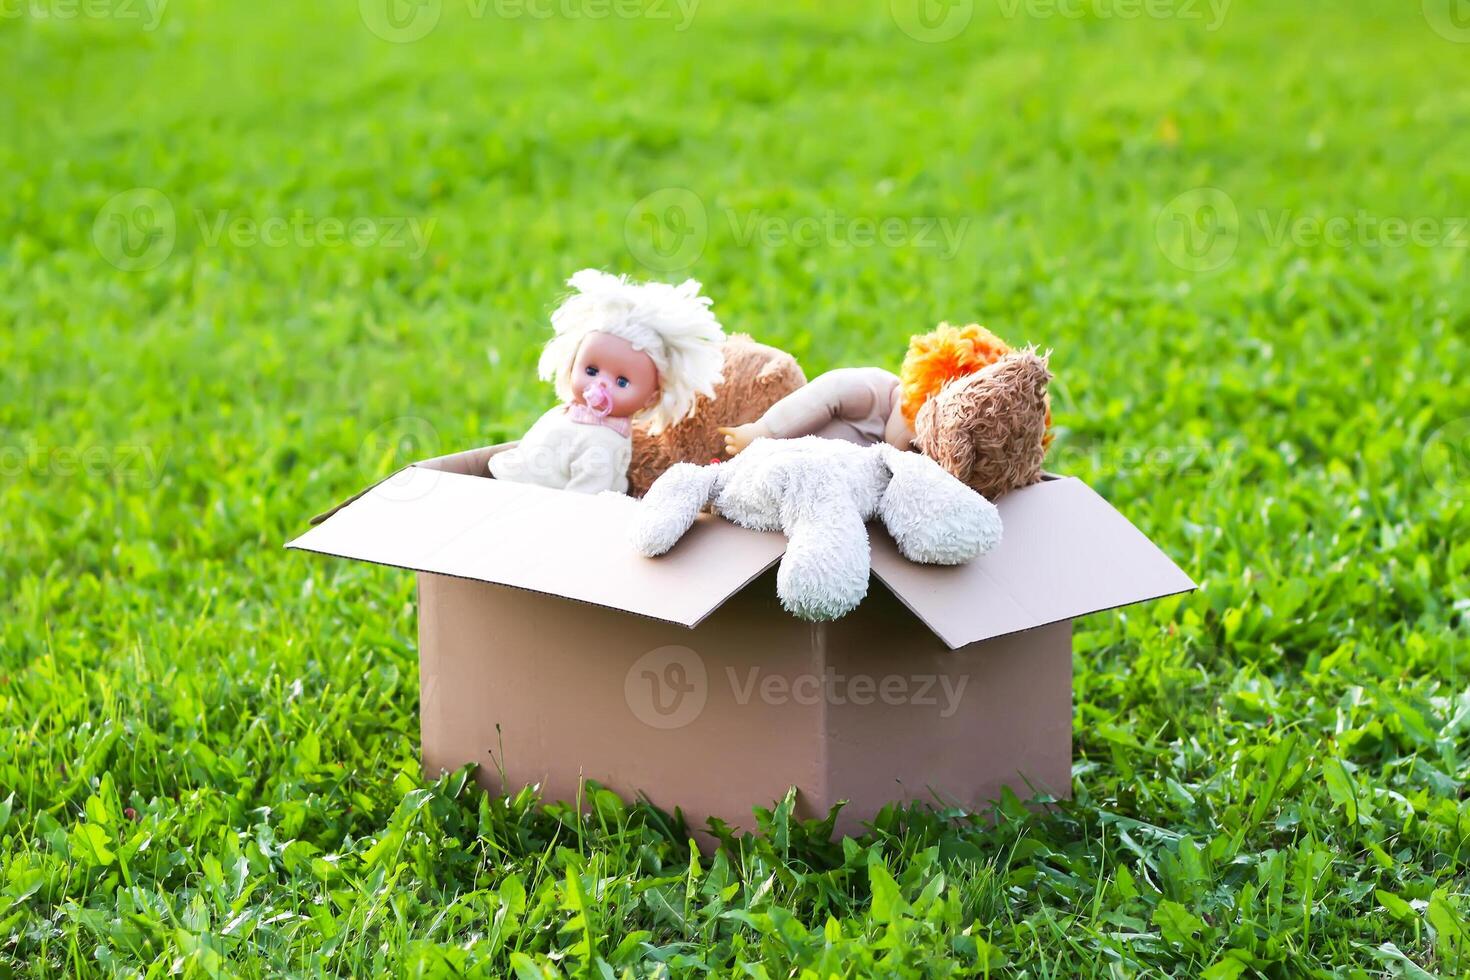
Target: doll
{"type": "Point", "coordinates": [963, 397]}
{"type": "Point", "coordinates": [620, 351]}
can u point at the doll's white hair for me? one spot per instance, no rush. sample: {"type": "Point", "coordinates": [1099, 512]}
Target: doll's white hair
{"type": "Point", "coordinates": [673, 325]}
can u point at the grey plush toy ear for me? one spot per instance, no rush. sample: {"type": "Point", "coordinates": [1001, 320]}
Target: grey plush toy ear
{"type": "Point", "coordinates": [933, 517]}
{"type": "Point", "coordinates": [671, 506]}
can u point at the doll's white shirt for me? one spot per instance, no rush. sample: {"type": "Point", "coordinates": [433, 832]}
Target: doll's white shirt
{"type": "Point", "coordinates": [567, 455]}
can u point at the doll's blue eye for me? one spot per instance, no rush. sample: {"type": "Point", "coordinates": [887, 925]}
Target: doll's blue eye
{"type": "Point", "coordinates": [591, 372]}
{"type": "Point", "coordinates": [622, 382]}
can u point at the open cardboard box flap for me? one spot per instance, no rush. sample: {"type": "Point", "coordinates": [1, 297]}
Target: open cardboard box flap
{"type": "Point", "coordinates": [1064, 551]}
{"type": "Point", "coordinates": [437, 517]}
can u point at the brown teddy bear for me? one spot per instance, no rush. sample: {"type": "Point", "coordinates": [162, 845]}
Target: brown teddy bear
{"type": "Point", "coordinates": [990, 428]}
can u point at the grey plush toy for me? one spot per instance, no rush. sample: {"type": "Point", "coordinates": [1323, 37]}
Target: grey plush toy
{"type": "Point", "coordinates": [820, 493]}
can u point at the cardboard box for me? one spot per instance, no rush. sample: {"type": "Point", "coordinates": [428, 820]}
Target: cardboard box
{"type": "Point", "coordinates": [681, 677]}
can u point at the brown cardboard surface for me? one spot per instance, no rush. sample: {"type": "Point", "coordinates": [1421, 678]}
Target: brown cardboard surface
{"type": "Point", "coordinates": [1011, 723]}
{"type": "Point", "coordinates": [564, 544]}
{"type": "Point", "coordinates": [1064, 552]}
{"type": "Point", "coordinates": [537, 696]}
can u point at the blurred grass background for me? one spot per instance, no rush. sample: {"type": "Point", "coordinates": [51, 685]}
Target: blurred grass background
{"type": "Point", "coordinates": [210, 761]}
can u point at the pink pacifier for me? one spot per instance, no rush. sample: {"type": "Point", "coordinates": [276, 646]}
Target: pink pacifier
{"type": "Point", "coordinates": [598, 398]}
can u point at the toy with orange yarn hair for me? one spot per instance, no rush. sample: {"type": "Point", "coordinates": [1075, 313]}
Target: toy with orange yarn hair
{"type": "Point", "coordinates": [963, 397]}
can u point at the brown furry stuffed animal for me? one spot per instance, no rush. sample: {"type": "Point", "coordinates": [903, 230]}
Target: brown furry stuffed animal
{"type": "Point", "coordinates": [989, 428]}
{"type": "Point", "coordinates": [755, 378]}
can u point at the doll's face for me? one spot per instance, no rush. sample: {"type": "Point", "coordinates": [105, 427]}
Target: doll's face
{"type": "Point", "coordinates": [628, 375]}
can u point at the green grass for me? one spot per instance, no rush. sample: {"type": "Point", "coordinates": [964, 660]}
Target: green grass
{"type": "Point", "coordinates": [209, 755]}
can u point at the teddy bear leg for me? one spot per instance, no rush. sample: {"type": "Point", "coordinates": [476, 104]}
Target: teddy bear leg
{"type": "Point", "coordinates": [824, 573]}
{"type": "Point", "coordinates": [671, 506]}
